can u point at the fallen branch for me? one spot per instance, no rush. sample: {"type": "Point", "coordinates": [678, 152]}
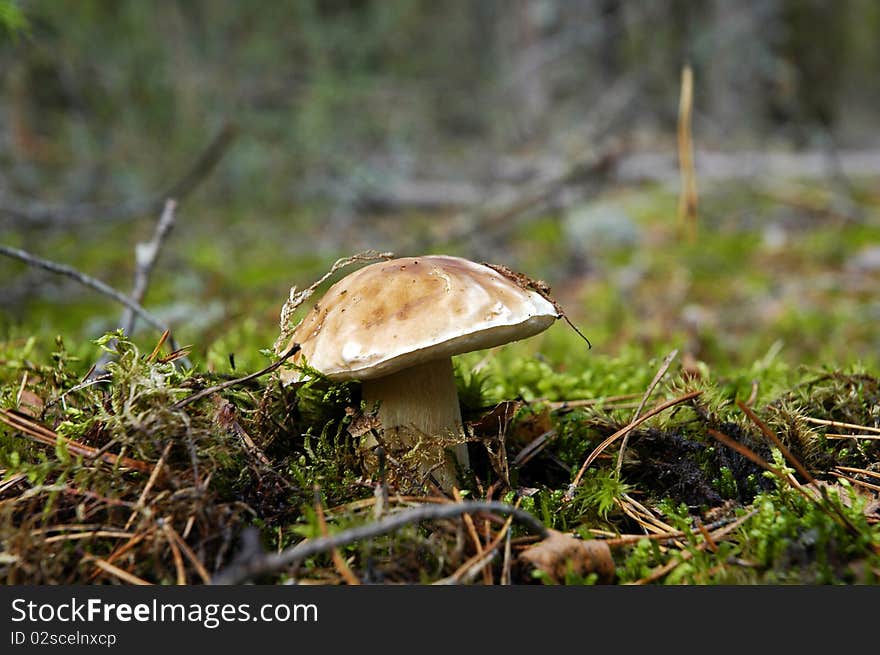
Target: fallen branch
{"type": "Point", "coordinates": [146, 254]}
{"type": "Point", "coordinates": [145, 259]}
{"type": "Point", "coordinates": [85, 280]}
{"type": "Point", "coordinates": [265, 563]}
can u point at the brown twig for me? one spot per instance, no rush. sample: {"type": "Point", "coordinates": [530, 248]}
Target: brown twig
{"type": "Point", "coordinates": [338, 561]}
{"type": "Point", "coordinates": [86, 280]}
{"type": "Point", "coordinates": [472, 533]}
{"type": "Point", "coordinates": [119, 552]}
{"type": "Point", "coordinates": [44, 435]}
{"type": "Point", "coordinates": [271, 562]}
{"type": "Point", "coordinates": [188, 552]}
{"type": "Point", "coordinates": [478, 562]}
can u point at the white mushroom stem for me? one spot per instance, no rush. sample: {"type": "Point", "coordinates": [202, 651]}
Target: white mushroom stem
{"type": "Point", "coordinates": [420, 403]}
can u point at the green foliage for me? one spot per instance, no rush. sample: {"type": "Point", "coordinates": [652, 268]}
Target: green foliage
{"type": "Point", "coordinates": [12, 19]}
{"type": "Point", "coordinates": [599, 493]}
{"type": "Point", "coordinates": [672, 466]}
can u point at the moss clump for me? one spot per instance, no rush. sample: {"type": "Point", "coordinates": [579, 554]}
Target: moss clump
{"type": "Point", "coordinates": [120, 477]}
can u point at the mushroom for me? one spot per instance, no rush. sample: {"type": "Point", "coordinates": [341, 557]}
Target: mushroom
{"type": "Point", "coordinates": [395, 325]}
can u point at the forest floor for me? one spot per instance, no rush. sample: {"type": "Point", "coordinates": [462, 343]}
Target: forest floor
{"type": "Point", "coordinates": [723, 428]}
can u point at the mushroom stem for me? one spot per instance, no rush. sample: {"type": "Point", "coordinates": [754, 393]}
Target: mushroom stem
{"type": "Point", "coordinates": [420, 403]}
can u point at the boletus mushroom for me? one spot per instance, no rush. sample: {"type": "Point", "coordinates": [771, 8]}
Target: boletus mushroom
{"type": "Point", "coordinates": [395, 325]}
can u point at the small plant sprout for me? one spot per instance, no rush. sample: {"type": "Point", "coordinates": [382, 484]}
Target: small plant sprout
{"type": "Point", "coordinates": [395, 325]}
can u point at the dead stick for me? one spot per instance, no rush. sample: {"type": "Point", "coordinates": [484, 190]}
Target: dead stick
{"type": "Point", "coordinates": [146, 254]}
{"type": "Point", "coordinates": [271, 562]}
{"type": "Point", "coordinates": [122, 574]}
{"type": "Point", "coordinates": [85, 280]}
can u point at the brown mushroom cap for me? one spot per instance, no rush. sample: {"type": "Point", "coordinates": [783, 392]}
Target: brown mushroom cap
{"type": "Point", "coordinates": [394, 314]}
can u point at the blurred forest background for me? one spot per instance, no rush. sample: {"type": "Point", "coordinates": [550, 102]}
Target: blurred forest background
{"type": "Point", "coordinates": [540, 134]}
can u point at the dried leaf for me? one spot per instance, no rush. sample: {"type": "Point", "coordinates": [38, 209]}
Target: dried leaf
{"type": "Point", "coordinates": [531, 427]}
{"type": "Point", "coordinates": [30, 403]}
{"type": "Point", "coordinates": [560, 553]}
{"type": "Point", "coordinates": [495, 420]}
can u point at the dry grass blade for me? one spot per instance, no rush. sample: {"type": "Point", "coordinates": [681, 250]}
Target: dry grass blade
{"type": "Point", "coordinates": [74, 536]}
{"type": "Point", "coordinates": [119, 552]}
{"type": "Point", "coordinates": [852, 436]}
{"type": "Point", "coordinates": [43, 435]}
{"type": "Point", "coordinates": [840, 424]}
{"type": "Point", "coordinates": [478, 562]}
{"type": "Point", "coordinates": [748, 454]}
{"type": "Point", "coordinates": [188, 552]}
{"type": "Point", "coordinates": [852, 469]}
{"type": "Point", "coordinates": [472, 533]}
{"type": "Point", "coordinates": [175, 552]}
{"type": "Point", "coordinates": [154, 475]}
{"type": "Point", "coordinates": [687, 203]}
{"type": "Point", "coordinates": [685, 555]}
{"type": "Point", "coordinates": [11, 482]}
{"type": "Point", "coordinates": [534, 447]}
{"type": "Point", "coordinates": [860, 483]}
{"type": "Point", "coordinates": [338, 561]}
{"type": "Point", "coordinates": [664, 366]}
{"type": "Point", "coordinates": [158, 347]}
{"type": "Point", "coordinates": [643, 518]}
{"type": "Point", "coordinates": [114, 570]}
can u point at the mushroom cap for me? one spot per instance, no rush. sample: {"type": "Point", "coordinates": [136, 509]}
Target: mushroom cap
{"type": "Point", "coordinates": [394, 314]}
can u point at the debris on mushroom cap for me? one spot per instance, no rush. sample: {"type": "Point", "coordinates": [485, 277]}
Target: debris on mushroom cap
{"type": "Point", "coordinates": [393, 314]}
